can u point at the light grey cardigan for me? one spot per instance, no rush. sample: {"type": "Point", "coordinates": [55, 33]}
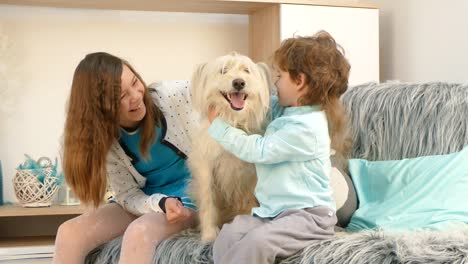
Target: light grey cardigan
{"type": "Point", "coordinates": [124, 181]}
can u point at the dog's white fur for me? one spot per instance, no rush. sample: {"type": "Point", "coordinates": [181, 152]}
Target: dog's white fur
{"type": "Point", "coordinates": [222, 185]}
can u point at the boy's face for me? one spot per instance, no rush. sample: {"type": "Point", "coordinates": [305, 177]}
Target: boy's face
{"type": "Point", "coordinates": [289, 90]}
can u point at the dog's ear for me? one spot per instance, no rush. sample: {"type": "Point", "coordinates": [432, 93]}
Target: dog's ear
{"type": "Point", "coordinates": [266, 75]}
{"type": "Point", "coordinates": [266, 91]}
{"type": "Point", "coordinates": [198, 82]}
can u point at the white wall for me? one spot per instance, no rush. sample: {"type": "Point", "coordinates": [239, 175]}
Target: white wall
{"type": "Point", "coordinates": [420, 40]}
{"type": "Point", "coordinates": [355, 29]}
{"type": "Point", "coordinates": [424, 40]}
{"type": "Point", "coordinates": [46, 44]}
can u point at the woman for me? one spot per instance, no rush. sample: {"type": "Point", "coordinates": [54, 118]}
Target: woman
{"type": "Point", "coordinates": [121, 135]}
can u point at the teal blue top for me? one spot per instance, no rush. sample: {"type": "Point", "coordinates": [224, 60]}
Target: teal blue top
{"type": "Point", "coordinates": [165, 171]}
{"type": "Point", "coordinates": [292, 159]}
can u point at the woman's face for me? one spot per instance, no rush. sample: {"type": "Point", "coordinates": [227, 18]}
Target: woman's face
{"type": "Point", "coordinates": [132, 106]}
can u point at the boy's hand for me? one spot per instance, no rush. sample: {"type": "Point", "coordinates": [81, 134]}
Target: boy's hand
{"type": "Point", "coordinates": [212, 113]}
{"type": "Point", "coordinates": [175, 211]}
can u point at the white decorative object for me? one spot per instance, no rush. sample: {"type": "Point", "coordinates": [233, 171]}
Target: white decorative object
{"type": "Point", "coordinates": [339, 186]}
{"type": "Point", "coordinates": [67, 197]}
{"type": "Point", "coordinates": [44, 162]}
{"type": "Point", "coordinates": [33, 193]}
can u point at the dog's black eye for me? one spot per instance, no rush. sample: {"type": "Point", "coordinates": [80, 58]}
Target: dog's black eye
{"type": "Point", "coordinates": [247, 70]}
{"type": "Point", "coordinates": [223, 70]}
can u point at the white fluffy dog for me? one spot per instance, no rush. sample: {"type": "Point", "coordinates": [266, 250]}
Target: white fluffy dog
{"type": "Point", "coordinates": [222, 185]}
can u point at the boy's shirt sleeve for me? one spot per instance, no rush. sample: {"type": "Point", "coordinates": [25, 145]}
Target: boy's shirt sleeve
{"type": "Point", "coordinates": [276, 109]}
{"type": "Point", "coordinates": [286, 144]}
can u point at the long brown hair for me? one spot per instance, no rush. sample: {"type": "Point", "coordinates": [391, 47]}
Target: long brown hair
{"type": "Point", "coordinates": [92, 124]}
{"type": "Point", "coordinates": [326, 71]}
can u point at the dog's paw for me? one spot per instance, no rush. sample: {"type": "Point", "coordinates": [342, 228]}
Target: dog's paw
{"type": "Point", "coordinates": [209, 234]}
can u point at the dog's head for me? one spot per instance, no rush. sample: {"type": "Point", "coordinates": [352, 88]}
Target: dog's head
{"type": "Point", "coordinates": [237, 87]}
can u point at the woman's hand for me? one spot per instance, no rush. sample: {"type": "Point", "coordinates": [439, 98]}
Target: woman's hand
{"type": "Point", "coordinates": [175, 211]}
{"type": "Point", "coordinates": [212, 113]}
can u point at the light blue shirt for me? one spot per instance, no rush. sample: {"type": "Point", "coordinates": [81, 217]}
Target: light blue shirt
{"type": "Point", "coordinates": [292, 159]}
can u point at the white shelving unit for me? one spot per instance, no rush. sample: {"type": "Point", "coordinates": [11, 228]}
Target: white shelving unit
{"type": "Point", "coordinates": [354, 24]}
{"type": "Point", "coordinates": [32, 230]}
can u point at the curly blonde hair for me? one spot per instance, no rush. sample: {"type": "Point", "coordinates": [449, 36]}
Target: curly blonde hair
{"type": "Point", "coordinates": [92, 124]}
{"type": "Point", "coordinates": [321, 60]}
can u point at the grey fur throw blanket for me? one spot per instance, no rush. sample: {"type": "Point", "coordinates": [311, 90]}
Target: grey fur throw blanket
{"type": "Point", "coordinates": [370, 247]}
{"type": "Point", "coordinates": [391, 120]}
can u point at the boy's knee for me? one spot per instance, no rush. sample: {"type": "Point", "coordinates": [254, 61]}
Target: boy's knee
{"type": "Point", "coordinates": [253, 241]}
{"type": "Point", "coordinates": [233, 228]}
{"type": "Point", "coordinates": [221, 245]}
{"type": "Point", "coordinates": [223, 240]}
{"type": "Point", "coordinates": [228, 236]}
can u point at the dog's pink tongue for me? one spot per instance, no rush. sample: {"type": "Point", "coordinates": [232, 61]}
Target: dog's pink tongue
{"type": "Point", "coordinates": [237, 100]}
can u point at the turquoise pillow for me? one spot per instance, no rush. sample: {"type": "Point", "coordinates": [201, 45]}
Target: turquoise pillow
{"type": "Point", "coordinates": [425, 192]}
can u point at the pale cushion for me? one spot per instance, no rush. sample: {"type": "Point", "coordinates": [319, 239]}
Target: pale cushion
{"type": "Point", "coordinates": [344, 195]}
{"type": "Point", "coordinates": [428, 192]}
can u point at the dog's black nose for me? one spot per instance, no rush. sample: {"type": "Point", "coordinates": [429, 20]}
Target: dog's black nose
{"type": "Point", "coordinates": [238, 84]}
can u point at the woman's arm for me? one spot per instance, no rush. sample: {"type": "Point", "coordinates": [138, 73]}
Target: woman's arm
{"type": "Point", "coordinates": [174, 99]}
{"type": "Point", "coordinates": [127, 191]}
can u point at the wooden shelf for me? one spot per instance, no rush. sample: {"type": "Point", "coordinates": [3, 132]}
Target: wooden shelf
{"type": "Point", "coordinates": [17, 210]}
{"type": "Point", "coordinates": [197, 6]}
{"type": "Point", "coordinates": [26, 241]}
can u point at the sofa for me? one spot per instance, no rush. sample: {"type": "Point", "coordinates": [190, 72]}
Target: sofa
{"type": "Point", "coordinates": [388, 121]}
